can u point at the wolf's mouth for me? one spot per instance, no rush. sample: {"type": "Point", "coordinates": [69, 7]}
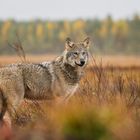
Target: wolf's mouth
{"type": "Point", "coordinates": [81, 64]}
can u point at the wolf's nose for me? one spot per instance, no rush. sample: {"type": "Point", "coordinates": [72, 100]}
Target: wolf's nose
{"type": "Point", "coordinates": [82, 62]}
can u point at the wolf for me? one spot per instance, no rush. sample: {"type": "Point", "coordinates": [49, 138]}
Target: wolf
{"type": "Point", "coordinates": [46, 80]}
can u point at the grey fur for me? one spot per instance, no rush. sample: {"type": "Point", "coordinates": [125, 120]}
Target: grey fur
{"type": "Point", "coordinates": [46, 80]}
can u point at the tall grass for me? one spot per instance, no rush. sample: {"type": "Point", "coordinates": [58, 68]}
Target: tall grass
{"type": "Point", "coordinates": [105, 107]}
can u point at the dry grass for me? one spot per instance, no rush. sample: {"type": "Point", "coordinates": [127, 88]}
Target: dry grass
{"type": "Point", "coordinates": [119, 60]}
{"type": "Point", "coordinates": [105, 107]}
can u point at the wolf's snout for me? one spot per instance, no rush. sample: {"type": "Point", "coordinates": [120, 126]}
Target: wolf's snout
{"type": "Point", "coordinates": [82, 62]}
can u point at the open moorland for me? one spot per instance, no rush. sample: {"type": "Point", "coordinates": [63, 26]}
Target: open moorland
{"type": "Point", "coordinates": [105, 107]}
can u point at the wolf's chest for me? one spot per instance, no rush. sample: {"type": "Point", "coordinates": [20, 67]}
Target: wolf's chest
{"type": "Point", "coordinates": [70, 89]}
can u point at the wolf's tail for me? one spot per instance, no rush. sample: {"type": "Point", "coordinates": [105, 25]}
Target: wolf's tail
{"type": "Point", "coordinates": [3, 105]}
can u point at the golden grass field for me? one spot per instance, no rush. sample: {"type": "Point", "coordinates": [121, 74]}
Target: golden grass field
{"type": "Point", "coordinates": [105, 107]}
{"type": "Point", "coordinates": [118, 60]}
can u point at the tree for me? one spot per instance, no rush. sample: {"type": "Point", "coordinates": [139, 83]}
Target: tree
{"type": "Point", "coordinates": [39, 31]}
{"type": "Point", "coordinates": [5, 28]}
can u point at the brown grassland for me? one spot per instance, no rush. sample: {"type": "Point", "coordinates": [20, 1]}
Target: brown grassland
{"type": "Point", "coordinates": [105, 107]}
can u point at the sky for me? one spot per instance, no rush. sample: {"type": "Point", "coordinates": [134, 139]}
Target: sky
{"type": "Point", "coordinates": [67, 9]}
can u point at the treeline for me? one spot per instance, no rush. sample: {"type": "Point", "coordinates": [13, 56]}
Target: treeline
{"type": "Point", "coordinates": [108, 36]}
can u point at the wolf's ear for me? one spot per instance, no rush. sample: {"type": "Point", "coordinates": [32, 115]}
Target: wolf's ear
{"type": "Point", "coordinates": [69, 44]}
{"type": "Point", "coordinates": [86, 42]}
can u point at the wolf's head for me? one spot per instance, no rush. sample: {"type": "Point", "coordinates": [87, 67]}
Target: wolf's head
{"type": "Point", "coordinates": [76, 54]}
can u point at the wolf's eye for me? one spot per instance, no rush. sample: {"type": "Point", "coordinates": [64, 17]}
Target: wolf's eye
{"type": "Point", "coordinates": [75, 53]}
{"type": "Point", "coordinates": [84, 53]}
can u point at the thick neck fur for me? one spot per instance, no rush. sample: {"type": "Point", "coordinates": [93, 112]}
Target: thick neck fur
{"type": "Point", "coordinates": [71, 74]}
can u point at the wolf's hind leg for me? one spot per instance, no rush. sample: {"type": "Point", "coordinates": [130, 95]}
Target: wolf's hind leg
{"type": "Point", "coordinates": [4, 116]}
{"type": "Point", "coordinates": [14, 94]}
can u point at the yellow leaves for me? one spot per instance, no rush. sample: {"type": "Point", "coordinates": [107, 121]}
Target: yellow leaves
{"type": "Point", "coordinates": [40, 31]}
{"type": "Point", "coordinates": [78, 25]}
{"type": "Point", "coordinates": [62, 35]}
{"type": "Point", "coordinates": [5, 28]}
{"type": "Point", "coordinates": [67, 27]}
{"type": "Point", "coordinates": [120, 28]}
{"type": "Point", "coordinates": [65, 31]}
{"type": "Point", "coordinates": [105, 28]}
{"type": "Point", "coordinates": [50, 26]}
{"type": "Point", "coordinates": [103, 31]}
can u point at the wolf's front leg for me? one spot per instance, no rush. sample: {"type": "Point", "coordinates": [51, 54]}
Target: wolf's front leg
{"type": "Point", "coordinates": [7, 120]}
{"type": "Point", "coordinates": [64, 100]}
{"type": "Point", "coordinates": [5, 127]}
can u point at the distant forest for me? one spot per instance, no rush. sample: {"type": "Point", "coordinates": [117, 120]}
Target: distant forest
{"type": "Point", "coordinates": [108, 36]}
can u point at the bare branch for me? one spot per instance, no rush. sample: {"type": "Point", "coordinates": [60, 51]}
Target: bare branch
{"type": "Point", "coordinates": [18, 48]}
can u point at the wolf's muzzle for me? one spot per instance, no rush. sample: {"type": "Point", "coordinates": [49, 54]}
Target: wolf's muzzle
{"type": "Point", "coordinates": [82, 62]}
